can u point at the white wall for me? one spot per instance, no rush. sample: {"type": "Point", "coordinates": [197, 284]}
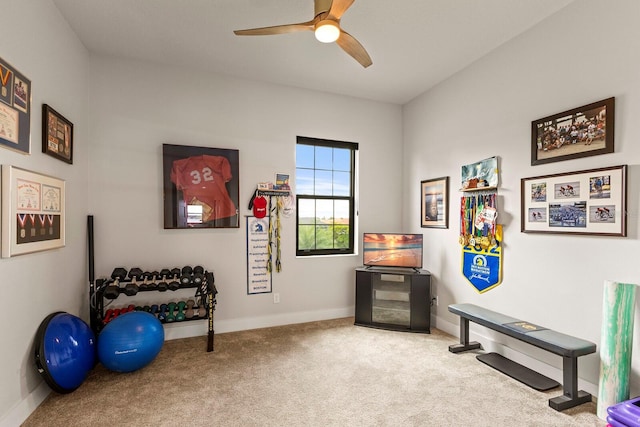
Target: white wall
{"type": "Point", "coordinates": [585, 53]}
{"type": "Point", "coordinates": [136, 107]}
{"type": "Point", "coordinates": [39, 43]}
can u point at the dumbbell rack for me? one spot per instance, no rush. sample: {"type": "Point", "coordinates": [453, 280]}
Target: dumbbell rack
{"type": "Point", "coordinates": [206, 290]}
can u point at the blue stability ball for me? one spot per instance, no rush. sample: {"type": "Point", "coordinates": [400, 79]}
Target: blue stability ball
{"type": "Point", "coordinates": [130, 341]}
{"type": "Point", "coordinates": [65, 351]}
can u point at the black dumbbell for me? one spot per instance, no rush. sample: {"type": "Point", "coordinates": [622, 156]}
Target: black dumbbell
{"type": "Point", "coordinates": [174, 284]}
{"type": "Point", "coordinates": [131, 288]}
{"type": "Point", "coordinates": [113, 289]}
{"type": "Point", "coordinates": [198, 275]}
{"type": "Point", "coordinates": [145, 282]}
{"type": "Point", "coordinates": [185, 279]}
{"type": "Point", "coordinates": [163, 285]}
{"type": "Point", "coordinates": [119, 273]}
{"type": "Point", "coordinates": [155, 276]}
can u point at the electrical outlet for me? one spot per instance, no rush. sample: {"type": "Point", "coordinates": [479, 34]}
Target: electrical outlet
{"type": "Point", "coordinates": [276, 298]}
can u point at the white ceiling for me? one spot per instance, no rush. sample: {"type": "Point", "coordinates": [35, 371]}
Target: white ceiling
{"type": "Point", "coordinates": [414, 44]}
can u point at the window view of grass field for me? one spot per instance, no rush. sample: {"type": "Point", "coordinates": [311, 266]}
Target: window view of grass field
{"type": "Point", "coordinates": [324, 190]}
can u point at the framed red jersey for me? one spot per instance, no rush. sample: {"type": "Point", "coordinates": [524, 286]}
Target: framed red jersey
{"type": "Point", "coordinates": [201, 187]}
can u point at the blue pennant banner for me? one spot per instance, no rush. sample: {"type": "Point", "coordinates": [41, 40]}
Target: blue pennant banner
{"type": "Point", "coordinates": [482, 267]}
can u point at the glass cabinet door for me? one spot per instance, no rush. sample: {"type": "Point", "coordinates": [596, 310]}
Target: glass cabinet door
{"type": "Point", "coordinates": [391, 299]}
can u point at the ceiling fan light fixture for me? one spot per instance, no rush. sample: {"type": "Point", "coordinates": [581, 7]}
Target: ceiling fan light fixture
{"type": "Point", "coordinates": [326, 26]}
{"type": "Point", "coordinates": [327, 31]}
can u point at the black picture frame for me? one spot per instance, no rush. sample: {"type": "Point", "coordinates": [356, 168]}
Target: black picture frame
{"type": "Point", "coordinates": [434, 203]}
{"type": "Point", "coordinates": [201, 187]}
{"type": "Point", "coordinates": [57, 135]}
{"type": "Point", "coordinates": [580, 132]}
{"type": "Point", "coordinates": [590, 201]}
{"type": "Point", "coordinates": [15, 109]}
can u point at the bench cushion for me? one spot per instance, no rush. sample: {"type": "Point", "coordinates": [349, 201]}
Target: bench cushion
{"type": "Point", "coordinates": [555, 342]}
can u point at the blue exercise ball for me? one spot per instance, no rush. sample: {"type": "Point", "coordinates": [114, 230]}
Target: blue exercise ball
{"type": "Point", "coordinates": [65, 351]}
{"type": "Point", "coordinates": [130, 341]}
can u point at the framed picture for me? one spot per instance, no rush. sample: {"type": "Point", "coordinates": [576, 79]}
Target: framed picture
{"type": "Point", "coordinates": [434, 202]}
{"type": "Point", "coordinates": [57, 135]}
{"type": "Point", "coordinates": [32, 212]}
{"type": "Point", "coordinates": [282, 182]}
{"type": "Point", "coordinates": [15, 109]}
{"type": "Point", "coordinates": [584, 202]}
{"type": "Point", "coordinates": [581, 132]}
{"type": "Point", "coordinates": [201, 187]}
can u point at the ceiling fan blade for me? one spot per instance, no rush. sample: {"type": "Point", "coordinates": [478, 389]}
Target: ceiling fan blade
{"type": "Point", "coordinates": [338, 8]}
{"type": "Point", "coordinates": [353, 47]}
{"type": "Point", "coordinates": [277, 29]}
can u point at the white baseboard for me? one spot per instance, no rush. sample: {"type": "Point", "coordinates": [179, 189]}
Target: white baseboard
{"type": "Point", "coordinates": [24, 408]}
{"type": "Point", "coordinates": [489, 344]}
{"type": "Point", "coordinates": [195, 328]}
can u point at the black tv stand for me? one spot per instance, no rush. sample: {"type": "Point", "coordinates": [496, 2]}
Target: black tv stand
{"type": "Point", "coordinates": [393, 298]}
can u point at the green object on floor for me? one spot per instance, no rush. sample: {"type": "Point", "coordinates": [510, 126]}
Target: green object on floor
{"type": "Point", "coordinates": [618, 307]}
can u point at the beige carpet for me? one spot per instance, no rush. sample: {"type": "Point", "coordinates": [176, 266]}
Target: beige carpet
{"type": "Point", "coordinates": [328, 373]}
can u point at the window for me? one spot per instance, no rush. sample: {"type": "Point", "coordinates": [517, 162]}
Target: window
{"type": "Point", "coordinates": [325, 214]}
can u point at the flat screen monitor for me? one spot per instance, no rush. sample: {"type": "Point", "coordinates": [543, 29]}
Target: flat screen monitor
{"type": "Point", "coordinates": [392, 250]}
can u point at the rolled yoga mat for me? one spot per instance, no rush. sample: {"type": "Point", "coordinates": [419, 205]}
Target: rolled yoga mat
{"type": "Point", "coordinates": [618, 309]}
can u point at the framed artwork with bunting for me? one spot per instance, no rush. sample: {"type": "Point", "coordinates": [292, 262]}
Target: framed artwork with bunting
{"type": "Point", "coordinates": [33, 212]}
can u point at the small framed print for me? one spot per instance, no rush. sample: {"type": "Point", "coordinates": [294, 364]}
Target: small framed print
{"type": "Point", "coordinates": [33, 212]}
{"type": "Point", "coordinates": [584, 202]}
{"type": "Point", "coordinates": [57, 135]}
{"type": "Point", "coordinates": [434, 203]}
{"type": "Point", "coordinates": [580, 132]}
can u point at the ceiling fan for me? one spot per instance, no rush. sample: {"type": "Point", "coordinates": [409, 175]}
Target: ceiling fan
{"type": "Point", "coordinates": [326, 25]}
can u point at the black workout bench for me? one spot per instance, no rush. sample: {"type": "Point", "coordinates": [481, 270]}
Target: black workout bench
{"type": "Point", "coordinates": [570, 348]}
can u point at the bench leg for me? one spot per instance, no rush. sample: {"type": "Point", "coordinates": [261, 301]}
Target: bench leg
{"type": "Point", "coordinates": [464, 345]}
{"type": "Point", "coordinates": [571, 396]}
